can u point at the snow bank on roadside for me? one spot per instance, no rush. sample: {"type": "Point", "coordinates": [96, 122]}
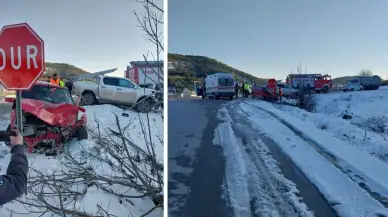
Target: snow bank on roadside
{"type": "Point", "coordinates": [104, 115]}
{"type": "Point", "coordinates": [374, 143]}
{"type": "Point", "coordinates": [94, 196]}
{"type": "Point", "coordinates": [369, 168]}
{"type": "Point", "coordinates": [363, 104]}
{"type": "Point", "coordinates": [346, 197]}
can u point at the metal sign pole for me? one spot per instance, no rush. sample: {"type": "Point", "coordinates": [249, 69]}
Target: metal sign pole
{"type": "Point", "coordinates": [19, 117]}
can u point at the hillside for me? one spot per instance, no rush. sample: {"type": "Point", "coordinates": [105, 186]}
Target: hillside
{"type": "Point", "coordinates": [341, 80]}
{"type": "Point", "coordinates": [190, 68]}
{"type": "Point", "coordinates": [63, 69]}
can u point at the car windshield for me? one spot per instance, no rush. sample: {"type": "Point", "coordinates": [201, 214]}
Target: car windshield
{"type": "Point", "coordinates": [226, 82]}
{"type": "Point", "coordinates": [56, 95]}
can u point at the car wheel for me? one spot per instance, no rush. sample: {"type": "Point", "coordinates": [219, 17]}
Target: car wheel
{"type": "Point", "coordinates": [144, 106]}
{"type": "Point", "coordinates": [231, 97]}
{"type": "Point", "coordinates": [88, 99]}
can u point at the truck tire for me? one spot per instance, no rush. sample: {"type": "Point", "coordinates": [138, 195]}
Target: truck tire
{"type": "Point", "coordinates": [325, 89]}
{"type": "Point", "coordinates": [88, 98]}
{"type": "Point", "coordinates": [231, 97]}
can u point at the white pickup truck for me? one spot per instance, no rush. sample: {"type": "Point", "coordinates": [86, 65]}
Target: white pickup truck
{"type": "Point", "coordinates": [115, 90]}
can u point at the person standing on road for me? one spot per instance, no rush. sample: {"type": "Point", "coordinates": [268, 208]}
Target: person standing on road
{"type": "Point", "coordinates": [246, 89]}
{"type": "Point", "coordinates": [243, 89]}
{"type": "Point", "coordinates": [14, 183]}
{"type": "Point", "coordinates": [236, 89]}
{"type": "Point", "coordinates": [280, 94]}
{"type": "Point", "coordinates": [204, 88]}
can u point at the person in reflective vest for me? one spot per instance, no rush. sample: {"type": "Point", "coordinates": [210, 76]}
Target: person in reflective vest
{"type": "Point", "coordinates": [246, 90]}
{"type": "Point", "coordinates": [54, 79]}
{"type": "Point", "coordinates": [61, 83]}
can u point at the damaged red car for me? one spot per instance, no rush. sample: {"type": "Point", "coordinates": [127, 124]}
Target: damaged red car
{"type": "Point", "coordinates": [264, 93]}
{"type": "Point", "coordinates": [50, 118]}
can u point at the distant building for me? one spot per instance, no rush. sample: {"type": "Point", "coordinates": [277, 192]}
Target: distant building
{"type": "Point", "coordinates": [145, 72]}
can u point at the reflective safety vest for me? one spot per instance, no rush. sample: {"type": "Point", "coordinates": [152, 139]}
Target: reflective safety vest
{"type": "Point", "coordinates": [61, 83]}
{"type": "Point", "coordinates": [246, 87]}
{"type": "Point", "coordinates": [53, 81]}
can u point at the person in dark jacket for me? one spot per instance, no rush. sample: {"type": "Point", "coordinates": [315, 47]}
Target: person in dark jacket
{"type": "Point", "coordinates": [14, 183]}
{"type": "Point", "coordinates": [69, 85]}
{"type": "Point", "coordinates": [236, 89]}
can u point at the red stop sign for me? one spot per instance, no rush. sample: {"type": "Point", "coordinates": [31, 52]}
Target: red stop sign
{"type": "Point", "coordinates": [21, 57]}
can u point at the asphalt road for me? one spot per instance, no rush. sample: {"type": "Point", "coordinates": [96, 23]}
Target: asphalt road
{"type": "Point", "coordinates": [204, 178]}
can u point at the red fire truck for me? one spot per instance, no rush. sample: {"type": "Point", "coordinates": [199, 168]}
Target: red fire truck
{"type": "Point", "coordinates": [312, 82]}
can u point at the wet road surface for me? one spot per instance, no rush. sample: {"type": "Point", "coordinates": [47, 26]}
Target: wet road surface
{"type": "Point", "coordinates": [232, 178]}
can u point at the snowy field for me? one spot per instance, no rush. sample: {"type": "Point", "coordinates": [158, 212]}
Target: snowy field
{"type": "Point", "coordinates": [94, 199]}
{"type": "Point", "coordinates": [344, 159]}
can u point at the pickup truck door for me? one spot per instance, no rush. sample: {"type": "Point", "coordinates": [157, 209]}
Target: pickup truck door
{"type": "Point", "coordinates": [126, 92]}
{"type": "Point", "coordinates": [107, 89]}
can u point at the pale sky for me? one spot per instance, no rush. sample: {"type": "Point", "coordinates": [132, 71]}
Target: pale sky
{"type": "Point", "coordinates": [94, 35]}
{"type": "Point", "coordinates": [269, 38]}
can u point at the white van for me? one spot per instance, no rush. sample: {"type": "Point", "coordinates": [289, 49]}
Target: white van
{"type": "Point", "coordinates": [219, 85]}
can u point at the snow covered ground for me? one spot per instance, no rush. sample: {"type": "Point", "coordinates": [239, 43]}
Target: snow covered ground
{"type": "Point", "coordinates": [103, 114]}
{"type": "Point", "coordinates": [343, 158]}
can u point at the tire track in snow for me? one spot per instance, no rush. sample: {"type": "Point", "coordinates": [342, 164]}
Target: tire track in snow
{"type": "Point", "coordinates": [347, 170]}
{"type": "Point", "coordinates": [254, 186]}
